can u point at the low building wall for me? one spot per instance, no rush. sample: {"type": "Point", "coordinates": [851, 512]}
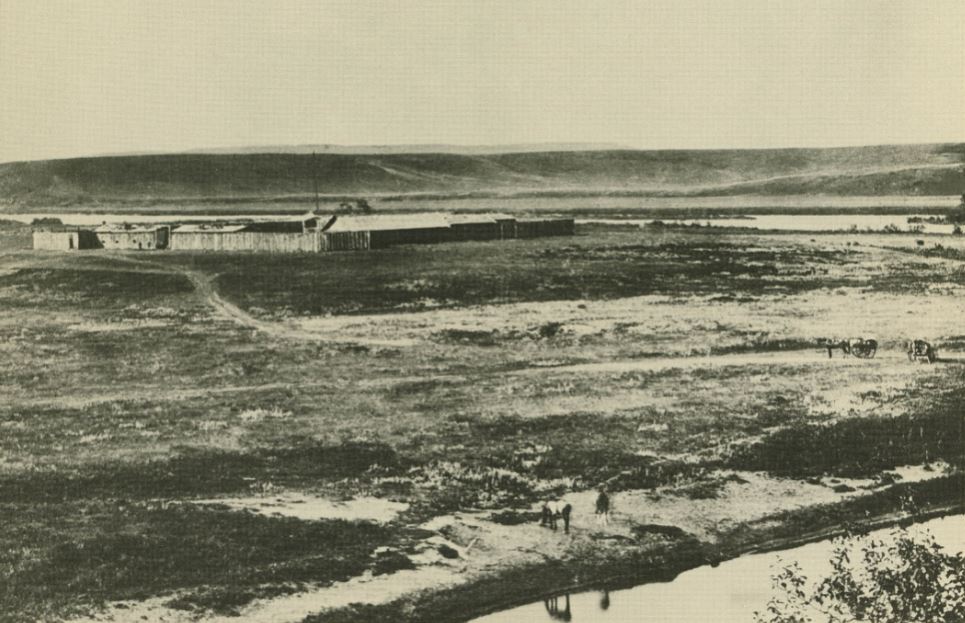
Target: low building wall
{"type": "Point", "coordinates": [382, 238]}
{"type": "Point", "coordinates": [137, 240]}
{"type": "Point", "coordinates": [259, 242]}
{"type": "Point", "coordinates": [475, 231]}
{"type": "Point", "coordinates": [242, 239]}
{"type": "Point", "coordinates": [545, 227]}
{"type": "Point", "coordinates": [345, 241]}
{"type": "Point", "coordinates": [64, 240]}
{"type": "Point", "coordinates": [507, 228]}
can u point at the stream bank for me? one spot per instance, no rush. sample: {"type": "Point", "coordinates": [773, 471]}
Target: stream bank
{"type": "Point", "coordinates": [659, 554]}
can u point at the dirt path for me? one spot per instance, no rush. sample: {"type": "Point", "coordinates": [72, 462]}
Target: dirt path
{"type": "Point", "coordinates": [205, 289]}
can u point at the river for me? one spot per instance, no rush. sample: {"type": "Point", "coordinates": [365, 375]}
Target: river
{"type": "Point", "coordinates": [730, 592]}
{"type": "Point", "coordinates": [800, 222]}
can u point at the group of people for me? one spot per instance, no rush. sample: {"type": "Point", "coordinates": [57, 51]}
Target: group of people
{"type": "Point", "coordinates": [552, 512]}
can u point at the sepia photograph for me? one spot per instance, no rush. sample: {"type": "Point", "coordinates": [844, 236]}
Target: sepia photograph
{"type": "Point", "coordinates": [512, 311]}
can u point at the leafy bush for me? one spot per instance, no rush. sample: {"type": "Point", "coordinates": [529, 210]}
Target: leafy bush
{"type": "Point", "coordinates": [389, 561]}
{"type": "Point", "coordinates": [901, 579]}
{"type": "Point", "coordinates": [46, 221]}
{"type": "Point", "coordinates": [550, 329]}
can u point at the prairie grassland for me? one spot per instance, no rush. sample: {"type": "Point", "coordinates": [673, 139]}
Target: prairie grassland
{"type": "Point", "coordinates": [605, 265]}
{"type": "Point", "coordinates": [670, 362]}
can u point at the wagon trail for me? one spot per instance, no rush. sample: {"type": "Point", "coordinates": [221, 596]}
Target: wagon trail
{"type": "Point", "coordinates": [205, 289]}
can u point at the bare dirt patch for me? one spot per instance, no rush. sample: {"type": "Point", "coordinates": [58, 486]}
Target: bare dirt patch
{"type": "Point", "coordinates": [312, 508]}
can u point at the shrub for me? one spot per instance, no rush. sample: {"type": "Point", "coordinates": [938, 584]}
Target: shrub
{"type": "Point", "coordinates": [550, 329]}
{"type": "Point", "coordinates": [901, 579]}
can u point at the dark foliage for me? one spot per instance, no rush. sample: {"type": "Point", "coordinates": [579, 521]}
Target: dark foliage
{"type": "Point", "coordinates": [202, 472]}
{"type": "Point", "coordinates": [83, 557]}
{"type": "Point", "coordinates": [860, 446]}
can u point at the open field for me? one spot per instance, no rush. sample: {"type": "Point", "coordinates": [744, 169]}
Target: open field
{"type": "Point", "coordinates": [342, 436]}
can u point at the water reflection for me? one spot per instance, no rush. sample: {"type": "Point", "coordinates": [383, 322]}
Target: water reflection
{"type": "Point", "coordinates": [555, 611]}
{"type": "Point", "coordinates": [559, 607]}
{"type": "Point", "coordinates": [729, 593]}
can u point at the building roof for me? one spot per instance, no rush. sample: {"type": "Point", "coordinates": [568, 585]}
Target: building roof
{"type": "Point", "coordinates": [469, 218]}
{"type": "Point", "coordinates": [383, 222]}
{"type": "Point", "coordinates": [275, 224]}
{"type": "Point", "coordinates": [305, 216]}
{"type": "Point", "coordinates": [209, 228]}
{"type": "Point", "coordinates": [60, 229]}
{"type": "Point", "coordinates": [126, 228]}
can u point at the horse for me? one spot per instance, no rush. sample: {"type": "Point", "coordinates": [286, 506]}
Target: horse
{"type": "Point", "coordinates": [554, 510]}
{"type": "Point", "coordinates": [859, 347]}
{"type": "Point", "coordinates": [843, 345]}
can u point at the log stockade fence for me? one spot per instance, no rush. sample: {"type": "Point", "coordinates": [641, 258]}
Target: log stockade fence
{"type": "Point", "coordinates": [310, 233]}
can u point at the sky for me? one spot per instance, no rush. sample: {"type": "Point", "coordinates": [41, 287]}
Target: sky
{"type": "Point", "coordinates": [109, 76]}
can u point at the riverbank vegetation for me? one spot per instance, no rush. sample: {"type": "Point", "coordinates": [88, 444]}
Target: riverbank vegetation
{"type": "Point", "coordinates": [905, 577]}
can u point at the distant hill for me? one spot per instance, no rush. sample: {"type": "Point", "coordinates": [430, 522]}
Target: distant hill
{"type": "Point", "coordinates": [881, 170]}
{"type": "Point", "coordinates": [420, 148]}
{"type": "Point", "coordinates": [372, 150]}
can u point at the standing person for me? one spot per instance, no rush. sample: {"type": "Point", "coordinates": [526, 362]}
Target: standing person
{"type": "Point", "coordinates": [566, 517]}
{"type": "Point", "coordinates": [554, 513]}
{"type": "Point", "coordinates": [603, 508]}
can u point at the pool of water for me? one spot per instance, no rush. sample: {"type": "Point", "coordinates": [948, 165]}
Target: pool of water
{"type": "Point", "coordinates": [800, 222]}
{"type": "Point", "coordinates": [730, 592]}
